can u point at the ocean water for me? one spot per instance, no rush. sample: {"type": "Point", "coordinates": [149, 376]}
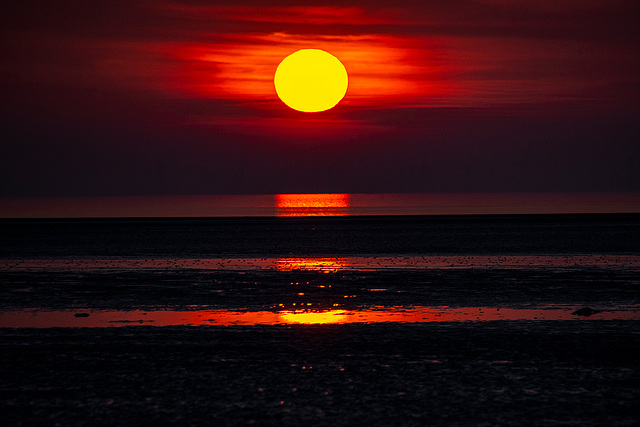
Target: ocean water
{"type": "Point", "coordinates": [289, 205]}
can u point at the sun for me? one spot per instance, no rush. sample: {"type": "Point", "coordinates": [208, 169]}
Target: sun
{"type": "Point", "coordinates": [311, 80]}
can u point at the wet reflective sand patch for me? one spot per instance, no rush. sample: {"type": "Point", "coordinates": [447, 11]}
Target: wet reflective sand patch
{"type": "Point", "coordinates": [37, 318]}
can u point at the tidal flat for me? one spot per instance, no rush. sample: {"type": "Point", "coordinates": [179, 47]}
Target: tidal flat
{"type": "Point", "coordinates": [356, 321]}
{"type": "Point", "coordinates": [451, 373]}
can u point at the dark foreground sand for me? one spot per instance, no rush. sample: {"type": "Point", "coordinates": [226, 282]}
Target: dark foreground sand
{"type": "Point", "coordinates": [486, 373]}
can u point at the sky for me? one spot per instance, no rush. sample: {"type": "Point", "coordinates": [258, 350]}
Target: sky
{"type": "Point", "coordinates": [170, 97]}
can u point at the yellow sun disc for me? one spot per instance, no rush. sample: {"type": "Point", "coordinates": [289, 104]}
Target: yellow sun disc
{"type": "Point", "coordinates": [311, 80]}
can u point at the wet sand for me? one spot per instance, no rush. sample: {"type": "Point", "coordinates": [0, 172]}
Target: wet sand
{"type": "Point", "coordinates": [316, 284]}
{"type": "Point", "coordinates": [395, 370]}
{"type": "Point", "coordinates": [324, 264]}
{"type": "Point", "coordinates": [489, 373]}
{"type": "Point", "coordinates": [363, 321]}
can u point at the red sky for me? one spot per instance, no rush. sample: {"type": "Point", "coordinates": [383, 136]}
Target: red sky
{"type": "Point", "coordinates": [176, 97]}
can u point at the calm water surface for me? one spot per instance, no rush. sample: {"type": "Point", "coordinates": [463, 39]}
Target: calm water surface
{"type": "Point", "coordinates": [318, 205]}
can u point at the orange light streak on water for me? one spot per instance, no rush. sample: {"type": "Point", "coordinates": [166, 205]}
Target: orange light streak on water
{"type": "Point", "coordinates": [343, 204]}
{"type": "Point", "coordinates": [312, 204]}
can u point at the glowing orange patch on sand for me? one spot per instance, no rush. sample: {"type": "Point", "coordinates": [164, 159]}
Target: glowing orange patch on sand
{"type": "Point", "coordinates": [312, 204]}
{"type": "Point", "coordinates": [35, 318]}
{"type": "Point", "coordinates": [313, 317]}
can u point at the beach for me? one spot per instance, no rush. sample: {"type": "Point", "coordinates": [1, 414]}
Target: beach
{"type": "Point", "coordinates": [496, 373]}
{"type": "Point", "coordinates": [325, 321]}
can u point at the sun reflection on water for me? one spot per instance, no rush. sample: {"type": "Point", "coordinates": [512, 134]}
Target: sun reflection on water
{"type": "Point", "coordinates": [312, 204]}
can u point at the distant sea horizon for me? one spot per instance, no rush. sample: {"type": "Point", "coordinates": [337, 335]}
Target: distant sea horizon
{"type": "Point", "coordinates": [318, 204]}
